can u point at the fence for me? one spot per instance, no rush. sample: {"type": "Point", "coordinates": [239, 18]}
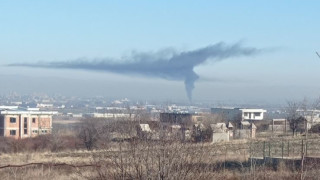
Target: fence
{"type": "Point", "coordinates": [292, 148]}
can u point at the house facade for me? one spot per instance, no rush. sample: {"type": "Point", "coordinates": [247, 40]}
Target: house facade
{"type": "Point", "coordinates": [22, 123]}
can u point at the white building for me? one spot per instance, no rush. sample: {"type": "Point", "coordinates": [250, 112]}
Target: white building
{"type": "Point", "coordinates": [252, 114]}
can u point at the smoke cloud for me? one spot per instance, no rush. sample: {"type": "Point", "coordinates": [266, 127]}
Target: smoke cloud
{"type": "Point", "coordinates": [168, 64]}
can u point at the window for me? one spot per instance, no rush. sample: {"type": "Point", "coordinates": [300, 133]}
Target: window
{"type": "Point", "coordinates": [35, 131]}
{"type": "Point", "coordinates": [12, 132]}
{"type": "Point", "coordinates": [257, 114]}
{"type": "Point", "coordinates": [25, 125]}
{"type": "Point", "coordinates": [33, 120]}
{"type": "Point", "coordinates": [12, 120]}
{"type": "Point", "coordinates": [25, 122]}
{"type": "Point", "coordinates": [245, 114]}
{"type": "Point", "coordinates": [44, 131]}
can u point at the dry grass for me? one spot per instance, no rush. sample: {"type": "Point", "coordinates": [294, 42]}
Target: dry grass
{"type": "Point", "coordinates": [203, 161]}
{"type": "Point", "coordinates": [153, 159]}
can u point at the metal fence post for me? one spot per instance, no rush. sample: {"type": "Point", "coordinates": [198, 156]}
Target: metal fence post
{"type": "Point", "coordinates": [269, 149]}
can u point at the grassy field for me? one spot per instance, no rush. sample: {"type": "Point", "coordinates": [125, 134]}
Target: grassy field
{"type": "Point", "coordinates": [151, 160]}
{"type": "Point", "coordinates": [64, 155]}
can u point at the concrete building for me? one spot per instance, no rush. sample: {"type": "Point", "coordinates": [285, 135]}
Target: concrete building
{"type": "Point", "coordinates": [176, 118]}
{"type": "Point", "coordinates": [252, 114]}
{"type": "Point", "coordinates": [279, 125]}
{"type": "Point", "coordinates": [221, 132]}
{"type": "Point", "coordinates": [22, 123]}
{"type": "Point", "coordinates": [233, 114]}
{"type": "Point", "coordinates": [247, 131]}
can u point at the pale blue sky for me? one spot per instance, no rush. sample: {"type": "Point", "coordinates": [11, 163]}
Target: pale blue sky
{"type": "Point", "coordinates": [59, 30]}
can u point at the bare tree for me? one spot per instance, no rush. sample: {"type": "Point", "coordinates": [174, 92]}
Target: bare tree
{"type": "Point", "coordinates": [302, 113]}
{"type": "Point", "coordinates": [89, 133]}
{"type": "Point", "coordinates": [315, 106]}
{"type": "Point", "coordinates": [293, 116]}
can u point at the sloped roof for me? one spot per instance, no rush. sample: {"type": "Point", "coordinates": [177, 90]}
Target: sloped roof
{"type": "Point", "coordinates": [229, 125]}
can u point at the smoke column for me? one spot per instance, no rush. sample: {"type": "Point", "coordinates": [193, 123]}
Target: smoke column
{"type": "Point", "coordinates": [168, 64]}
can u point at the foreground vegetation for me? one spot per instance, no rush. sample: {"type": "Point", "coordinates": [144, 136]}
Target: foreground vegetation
{"type": "Point", "coordinates": [89, 152]}
{"type": "Point", "coordinates": [66, 157]}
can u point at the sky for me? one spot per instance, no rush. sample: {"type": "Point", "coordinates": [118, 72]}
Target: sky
{"type": "Point", "coordinates": [58, 31]}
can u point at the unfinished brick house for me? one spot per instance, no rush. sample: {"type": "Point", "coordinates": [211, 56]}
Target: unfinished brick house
{"type": "Point", "coordinates": [22, 123]}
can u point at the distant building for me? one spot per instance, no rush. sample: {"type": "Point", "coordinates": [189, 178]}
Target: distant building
{"type": "Point", "coordinates": [109, 115]}
{"type": "Point", "coordinates": [253, 114]}
{"type": "Point", "coordinates": [22, 123]}
{"type": "Point", "coordinates": [177, 118]}
{"type": "Point", "coordinates": [312, 116]}
{"type": "Point", "coordinates": [179, 124]}
{"type": "Point", "coordinates": [228, 114]}
{"type": "Point", "coordinates": [44, 105]}
{"type": "Point", "coordinates": [74, 115]}
{"type": "Point", "coordinates": [279, 125]}
{"type": "Point", "coordinates": [232, 114]}
{"type": "Point", "coordinates": [247, 131]}
{"type": "Point", "coordinates": [221, 132]}
{"type": "Point", "coordinates": [77, 115]}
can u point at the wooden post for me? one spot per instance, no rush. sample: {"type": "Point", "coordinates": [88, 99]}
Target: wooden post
{"type": "Point", "coordinates": [302, 160]}
{"type": "Point", "coordinates": [282, 149]}
{"type": "Point", "coordinates": [250, 150]}
{"type": "Point", "coordinates": [285, 126]}
{"type": "Point", "coordinates": [225, 158]}
{"type": "Point", "coordinates": [250, 155]}
{"type": "Point", "coordinates": [306, 148]}
{"type": "Point", "coordinates": [272, 126]}
{"type": "Point", "coordinates": [302, 148]}
{"type": "Point", "coordinates": [264, 149]}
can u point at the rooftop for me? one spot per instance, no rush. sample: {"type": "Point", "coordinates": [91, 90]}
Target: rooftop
{"type": "Point", "coordinates": [253, 110]}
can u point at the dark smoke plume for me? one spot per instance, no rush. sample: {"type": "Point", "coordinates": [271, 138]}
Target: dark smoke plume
{"type": "Point", "coordinates": [168, 64]}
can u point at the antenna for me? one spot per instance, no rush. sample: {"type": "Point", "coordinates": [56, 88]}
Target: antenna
{"type": "Point", "coordinates": [318, 54]}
